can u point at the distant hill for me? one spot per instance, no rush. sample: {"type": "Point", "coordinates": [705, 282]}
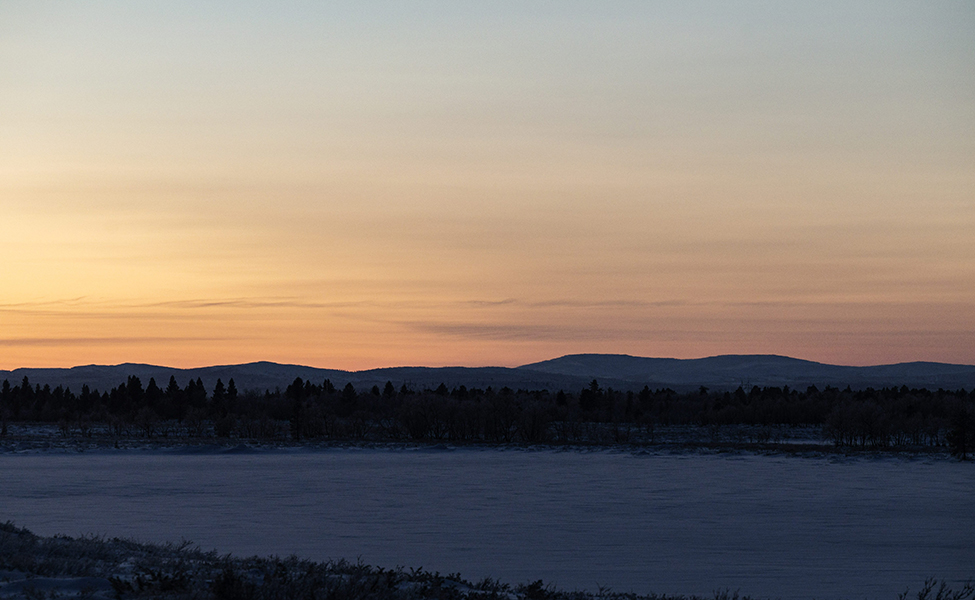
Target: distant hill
{"type": "Point", "coordinates": [270, 376]}
{"type": "Point", "coordinates": [259, 375]}
{"type": "Point", "coordinates": [730, 371]}
{"type": "Point", "coordinates": [570, 372]}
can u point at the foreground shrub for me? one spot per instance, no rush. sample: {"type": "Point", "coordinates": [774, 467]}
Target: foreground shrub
{"type": "Point", "coordinates": [123, 569]}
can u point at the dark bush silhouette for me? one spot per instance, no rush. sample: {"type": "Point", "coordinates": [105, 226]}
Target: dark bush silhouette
{"type": "Point", "coordinates": [961, 434]}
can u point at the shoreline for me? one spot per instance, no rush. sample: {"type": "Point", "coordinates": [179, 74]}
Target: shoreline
{"type": "Point", "coordinates": [40, 438]}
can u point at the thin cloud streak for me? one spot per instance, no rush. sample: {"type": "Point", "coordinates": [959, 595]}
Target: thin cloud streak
{"type": "Point", "coordinates": [73, 304]}
{"type": "Point", "coordinates": [489, 332]}
{"type": "Point", "coordinates": [51, 306]}
{"type": "Point", "coordinates": [103, 341]}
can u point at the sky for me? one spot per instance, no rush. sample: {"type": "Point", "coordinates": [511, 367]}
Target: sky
{"type": "Point", "coordinates": [366, 184]}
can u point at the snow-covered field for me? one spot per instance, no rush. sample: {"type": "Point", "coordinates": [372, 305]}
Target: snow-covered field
{"type": "Point", "coordinates": [691, 523]}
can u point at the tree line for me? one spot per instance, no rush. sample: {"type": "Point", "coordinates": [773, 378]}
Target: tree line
{"type": "Point", "coordinates": [893, 417]}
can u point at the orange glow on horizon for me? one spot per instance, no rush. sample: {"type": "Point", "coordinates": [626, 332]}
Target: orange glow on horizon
{"type": "Point", "coordinates": [485, 185]}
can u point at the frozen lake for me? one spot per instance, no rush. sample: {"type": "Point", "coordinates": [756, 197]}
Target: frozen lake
{"type": "Point", "coordinates": [775, 526]}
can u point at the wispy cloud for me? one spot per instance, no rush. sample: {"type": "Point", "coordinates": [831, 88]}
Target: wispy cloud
{"type": "Point", "coordinates": [84, 305]}
{"type": "Point", "coordinates": [101, 341]}
{"type": "Point", "coordinates": [490, 303]}
{"type": "Point", "coordinates": [608, 303]}
{"type": "Point", "coordinates": [492, 331]}
{"type": "Point", "coordinates": [82, 302]}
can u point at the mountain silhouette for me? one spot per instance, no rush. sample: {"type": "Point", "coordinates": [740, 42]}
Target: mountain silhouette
{"type": "Point", "coordinates": [570, 372]}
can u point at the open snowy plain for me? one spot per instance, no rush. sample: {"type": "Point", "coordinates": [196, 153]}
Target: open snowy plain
{"type": "Point", "coordinates": [684, 523]}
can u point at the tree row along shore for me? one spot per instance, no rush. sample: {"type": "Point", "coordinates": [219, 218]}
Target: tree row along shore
{"type": "Point", "coordinates": [888, 418]}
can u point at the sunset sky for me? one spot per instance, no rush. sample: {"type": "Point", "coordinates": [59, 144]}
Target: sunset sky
{"type": "Point", "coordinates": [363, 184]}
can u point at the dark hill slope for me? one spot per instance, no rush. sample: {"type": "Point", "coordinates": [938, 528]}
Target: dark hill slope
{"type": "Point", "coordinates": [262, 376]}
{"type": "Point", "coordinates": [730, 371]}
{"type": "Point", "coordinates": [568, 372]}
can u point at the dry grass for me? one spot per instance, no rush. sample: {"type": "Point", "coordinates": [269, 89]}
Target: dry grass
{"type": "Point", "coordinates": [99, 568]}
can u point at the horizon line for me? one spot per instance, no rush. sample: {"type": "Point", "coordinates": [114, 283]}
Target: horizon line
{"type": "Point", "coordinates": [406, 366]}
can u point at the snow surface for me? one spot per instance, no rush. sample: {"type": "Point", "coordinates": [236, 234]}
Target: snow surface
{"type": "Point", "coordinates": [16, 585]}
{"type": "Point", "coordinates": [689, 523]}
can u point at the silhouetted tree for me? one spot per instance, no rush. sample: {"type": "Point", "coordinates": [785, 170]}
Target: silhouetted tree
{"type": "Point", "coordinates": [218, 399]}
{"type": "Point", "coordinates": [961, 435]}
{"type": "Point", "coordinates": [153, 394]}
{"type": "Point", "coordinates": [5, 395]}
{"type": "Point", "coordinates": [135, 392]}
{"type": "Point", "coordinates": [589, 397]}
{"type": "Point", "coordinates": [196, 394]}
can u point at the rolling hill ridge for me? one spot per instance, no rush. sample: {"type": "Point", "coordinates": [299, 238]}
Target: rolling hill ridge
{"type": "Point", "coordinates": [568, 372]}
